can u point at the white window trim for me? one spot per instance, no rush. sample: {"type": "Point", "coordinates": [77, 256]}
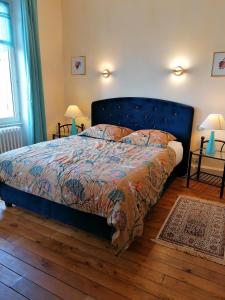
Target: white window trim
{"type": "Point", "coordinates": [16, 120]}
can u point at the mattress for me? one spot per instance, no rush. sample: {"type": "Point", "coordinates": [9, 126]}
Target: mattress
{"type": "Point", "coordinates": [179, 150]}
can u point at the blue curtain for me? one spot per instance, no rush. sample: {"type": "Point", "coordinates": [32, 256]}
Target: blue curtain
{"type": "Point", "coordinates": [5, 25]}
{"type": "Point", "coordinates": [34, 108]}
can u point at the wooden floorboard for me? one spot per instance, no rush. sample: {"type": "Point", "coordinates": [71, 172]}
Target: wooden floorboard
{"type": "Point", "coordinates": [43, 259]}
{"type": "Point", "coordinates": [7, 293]}
{"type": "Point", "coordinates": [23, 286]}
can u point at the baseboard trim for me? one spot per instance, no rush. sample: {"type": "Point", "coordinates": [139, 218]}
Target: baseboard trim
{"type": "Point", "coordinates": [204, 168]}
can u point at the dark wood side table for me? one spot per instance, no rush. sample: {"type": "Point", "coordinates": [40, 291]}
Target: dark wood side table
{"type": "Point", "coordinates": [205, 177]}
{"type": "Point", "coordinates": [64, 130]}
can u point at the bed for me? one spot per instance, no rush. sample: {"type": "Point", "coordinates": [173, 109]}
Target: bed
{"type": "Point", "coordinates": [125, 220]}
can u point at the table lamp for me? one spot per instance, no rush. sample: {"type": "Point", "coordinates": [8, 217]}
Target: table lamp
{"type": "Point", "coordinates": [73, 112]}
{"type": "Point", "coordinates": [213, 122]}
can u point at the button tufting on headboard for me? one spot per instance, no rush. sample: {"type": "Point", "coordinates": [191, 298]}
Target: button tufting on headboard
{"type": "Point", "coordinates": [145, 113]}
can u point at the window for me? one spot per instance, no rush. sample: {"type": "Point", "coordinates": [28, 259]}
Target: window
{"type": "Point", "coordinates": [9, 112]}
{"type": "Point", "coordinates": [6, 92]}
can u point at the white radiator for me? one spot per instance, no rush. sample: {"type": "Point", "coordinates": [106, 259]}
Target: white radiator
{"type": "Point", "coordinates": [10, 138]}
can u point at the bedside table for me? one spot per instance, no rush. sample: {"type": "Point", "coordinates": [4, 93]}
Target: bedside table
{"type": "Point", "coordinates": [58, 136]}
{"type": "Point", "coordinates": [206, 177]}
{"type": "Point", "coordinates": [64, 130]}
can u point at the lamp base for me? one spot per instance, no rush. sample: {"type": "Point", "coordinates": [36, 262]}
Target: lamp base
{"type": "Point", "coordinates": [73, 128]}
{"type": "Point", "coordinates": [211, 148]}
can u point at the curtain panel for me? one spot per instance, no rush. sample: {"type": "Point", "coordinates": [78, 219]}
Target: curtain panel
{"type": "Point", "coordinates": [35, 108]}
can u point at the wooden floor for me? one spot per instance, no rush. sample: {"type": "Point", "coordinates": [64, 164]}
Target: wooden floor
{"type": "Point", "coordinates": [42, 259]}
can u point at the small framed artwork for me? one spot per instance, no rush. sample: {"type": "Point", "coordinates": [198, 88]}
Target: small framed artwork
{"type": "Point", "coordinates": [78, 65]}
{"type": "Point", "coordinates": [218, 67]}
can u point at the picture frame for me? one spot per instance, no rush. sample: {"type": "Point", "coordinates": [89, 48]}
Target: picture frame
{"type": "Point", "coordinates": [78, 65]}
{"type": "Point", "coordinates": [218, 66]}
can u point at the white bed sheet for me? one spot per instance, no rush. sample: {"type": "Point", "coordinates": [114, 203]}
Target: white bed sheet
{"type": "Point", "coordinates": [178, 148]}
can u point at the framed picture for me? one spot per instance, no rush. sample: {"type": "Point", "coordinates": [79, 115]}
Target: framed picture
{"type": "Point", "coordinates": [218, 68]}
{"type": "Point", "coordinates": [79, 65]}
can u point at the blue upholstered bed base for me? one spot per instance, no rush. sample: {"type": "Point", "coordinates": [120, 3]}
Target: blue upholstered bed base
{"type": "Point", "coordinates": [135, 113]}
{"type": "Point", "coordinates": [91, 223]}
{"type": "Point", "coordinates": [48, 209]}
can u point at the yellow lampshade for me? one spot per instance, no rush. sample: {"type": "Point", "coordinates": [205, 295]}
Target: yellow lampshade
{"type": "Point", "coordinates": [73, 112]}
{"type": "Point", "coordinates": [213, 122]}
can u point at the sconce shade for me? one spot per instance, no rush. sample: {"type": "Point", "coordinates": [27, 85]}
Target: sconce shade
{"type": "Point", "coordinates": [73, 111]}
{"type": "Point", "coordinates": [106, 73]}
{"type": "Point", "coordinates": [213, 122]}
{"type": "Point", "coordinates": [178, 71]}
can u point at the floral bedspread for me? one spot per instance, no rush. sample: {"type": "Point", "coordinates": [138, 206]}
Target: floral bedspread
{"type": "Point", "coordinates": [111, 179]}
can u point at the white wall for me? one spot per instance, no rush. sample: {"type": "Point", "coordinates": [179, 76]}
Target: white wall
{"type": "Point", "coordinates": [140, 41]}
{"type": "Point", "coordinates": [50, 31]}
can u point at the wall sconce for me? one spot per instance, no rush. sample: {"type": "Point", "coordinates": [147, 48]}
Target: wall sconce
{"type": "Point", "coordinates": [106, 73]}
{"type": "Point", "coordinates": [178, 71]}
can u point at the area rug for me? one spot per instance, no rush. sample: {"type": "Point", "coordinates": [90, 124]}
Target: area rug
{"type": "Point", "coordinates": [197, 227]}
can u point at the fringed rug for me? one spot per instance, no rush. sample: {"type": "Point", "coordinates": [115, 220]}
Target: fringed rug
{"type": "Point", "coordinates": [197, 227]}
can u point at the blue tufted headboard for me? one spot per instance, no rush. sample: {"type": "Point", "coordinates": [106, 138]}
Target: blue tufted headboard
{"type": "Point", "coordinates": [146, 113]}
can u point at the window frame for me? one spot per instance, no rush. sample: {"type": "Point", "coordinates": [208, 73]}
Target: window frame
{"type": "Point", "coordinates": [16, 119]}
